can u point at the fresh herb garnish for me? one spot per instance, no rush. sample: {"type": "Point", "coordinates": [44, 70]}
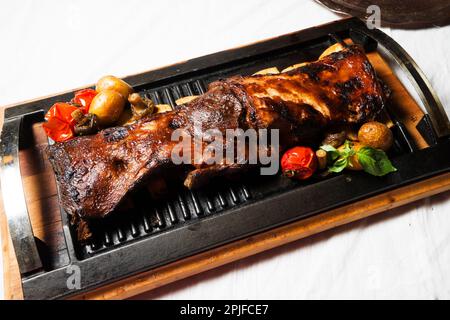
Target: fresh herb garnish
{"type": "Point", "coordinates": [332, 152]}
{"type": "Point", "coordinates": [373, 161]}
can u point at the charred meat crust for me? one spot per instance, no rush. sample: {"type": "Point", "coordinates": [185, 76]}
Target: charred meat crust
{"type": "Point", "coordinates": [95, 173]}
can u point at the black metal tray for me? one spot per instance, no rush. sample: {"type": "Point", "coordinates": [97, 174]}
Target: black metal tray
{"type": "Point", "coordinates": [155, 234]}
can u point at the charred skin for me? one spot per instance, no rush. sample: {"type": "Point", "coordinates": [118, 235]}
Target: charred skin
{"type": "Point", "coordinates": [95, 173]}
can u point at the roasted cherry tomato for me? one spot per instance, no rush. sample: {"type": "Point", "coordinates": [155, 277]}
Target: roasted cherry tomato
{"type": "Point", "coordinates": [60, 123]}
{"type": "Point", "coordinates": [84, 98]}
{"type": "Point", "coordinates": [58, 130]}
{"type": "Point", "coordinates": [299, 163]}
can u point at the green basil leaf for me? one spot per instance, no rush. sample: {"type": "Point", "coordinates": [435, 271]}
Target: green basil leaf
{"type": "Point", "coordinates": [348, 148]}
{"type": "Point", "coordinates": [332, 153]}
{"type": "Point", "coordinates": [375, 161]}
{"type": "Point", "coordinates": [348, 145]}
{"type": "Point", "coordinates": [328, 148]}
{"type": "Point", "coordinates": [339, 165]}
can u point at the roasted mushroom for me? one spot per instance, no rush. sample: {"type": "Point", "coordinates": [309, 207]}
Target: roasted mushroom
{"type": "Point", "coordinates": [86, 123]}
{"type": "Point", "coordinates": [334, 139]}
{"type": "Point", "coordinates": [321, 158]}
{"type": "Point", "coordinates": [140, 107]}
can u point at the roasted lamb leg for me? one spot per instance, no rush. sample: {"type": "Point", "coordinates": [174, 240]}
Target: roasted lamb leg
{"type": "Point", "coordinates": [95, 173]}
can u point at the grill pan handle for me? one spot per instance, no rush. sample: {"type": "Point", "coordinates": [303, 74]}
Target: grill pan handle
{"type": "Point", "coordinates": [14, 200]}
{"type": "Point", "coordinates": [430, 99]}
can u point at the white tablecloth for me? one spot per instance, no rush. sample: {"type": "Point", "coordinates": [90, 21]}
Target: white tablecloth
{"type": "Point", "coordinates": [52, 46]}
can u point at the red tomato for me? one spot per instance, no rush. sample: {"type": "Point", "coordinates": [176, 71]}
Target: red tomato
{"type": "Point", "coordinates": [84, 98]}
{"type": "Point", "coordinates": [58, 130]}
{"type": "Point", "coordinates": [299, 163]}
{"type": "Point", "coordinates": [59, 125]}
{"type": "Point", "coordinates": [62, 111]}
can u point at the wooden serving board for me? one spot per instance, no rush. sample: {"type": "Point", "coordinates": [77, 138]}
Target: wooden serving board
{"type": "Point", "coordinates": [41, 197]}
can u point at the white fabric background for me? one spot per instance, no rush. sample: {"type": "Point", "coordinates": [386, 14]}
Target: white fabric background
{"type": "Point", "coordinates": [52, 46]}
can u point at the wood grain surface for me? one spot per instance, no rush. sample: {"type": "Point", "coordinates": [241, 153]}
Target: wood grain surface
{"type": "Point", "coordinates": [40, 191]}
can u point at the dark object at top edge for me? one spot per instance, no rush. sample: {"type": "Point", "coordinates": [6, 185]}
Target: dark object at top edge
{"type": "Point", "coordinates": [415, 14]}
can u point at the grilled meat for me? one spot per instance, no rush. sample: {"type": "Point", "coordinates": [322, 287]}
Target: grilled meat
{"type": "Point", "coordinates": [96, 172]}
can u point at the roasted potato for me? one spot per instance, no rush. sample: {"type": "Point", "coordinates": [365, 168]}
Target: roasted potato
{"type": "Point", "coordinates": [376, 135]}
{"type": "Point", "coordinates": [114, 83]}
{"type": "Point", "coordinates": [107, 105]}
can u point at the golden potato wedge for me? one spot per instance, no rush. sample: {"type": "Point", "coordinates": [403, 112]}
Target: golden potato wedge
{"type": "Point", "coordinates": [334, 48]}
{"type": "Point", "coordinates": [185, 100]}
{"type": "Point", "coordinates": [295, 66]}
{"type": "Point", "coordinates": [273, 70]}
{"type": "Point", "coordinates": [160, 108]}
